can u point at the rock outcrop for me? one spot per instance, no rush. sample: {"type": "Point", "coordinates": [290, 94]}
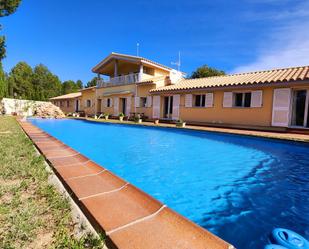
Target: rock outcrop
{"type": "Point", "coordinates": [48, 110]}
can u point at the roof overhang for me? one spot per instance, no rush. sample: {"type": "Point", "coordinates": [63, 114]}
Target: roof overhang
{"type": "Point", "coordinates": [109, 60]}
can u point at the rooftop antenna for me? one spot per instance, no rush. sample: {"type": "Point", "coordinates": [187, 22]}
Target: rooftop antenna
{"type": "Point", "coordinates": [137, 49]}
{"type": "Point", "coordinates": [177, 63]}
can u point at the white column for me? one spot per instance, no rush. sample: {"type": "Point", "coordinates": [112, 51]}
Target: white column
{"type": "Point", "coordinates": [116, 68]}
{"type": "Point", "coordinates": [140, 72]}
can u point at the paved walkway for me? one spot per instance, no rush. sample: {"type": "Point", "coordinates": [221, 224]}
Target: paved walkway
{"type": "Point", "coordinates": [266, 134]}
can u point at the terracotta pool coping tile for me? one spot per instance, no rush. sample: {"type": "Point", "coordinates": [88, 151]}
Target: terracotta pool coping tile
{"type": "Point", "coordinates": [71, 160]}
{"type": "Point", "coordinates": [124, 206]}
{"type": "Point", "coordinates": [95, 184]}
{"type": "Point", "coordinates": [58, 153]}
{"type": "Point", "coordinates": [166, 230]}
{"type": "Point", "coordinates": [78, 170]}
{"type": "Point", "coordinates": [132, 218]}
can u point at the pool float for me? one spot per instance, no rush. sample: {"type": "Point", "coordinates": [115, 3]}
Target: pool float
{"type": "Point", "coordinates": [288, 239]}
{"type": "Point", "coordinates": [272, 246]}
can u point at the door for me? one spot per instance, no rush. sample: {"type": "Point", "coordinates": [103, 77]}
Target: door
{"type": "Point", "coordinates": [123, 105]}
{"type": "Point", "coordinates": [168, 107]}
{"type": "Point", "coordinates": [300, 117]}
{"type": "Point", "coordinates": [76, 105]}
{"type": "Point", "coordinates": [99, 106]}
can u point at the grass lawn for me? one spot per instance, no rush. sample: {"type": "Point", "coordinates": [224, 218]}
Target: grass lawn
{"type": "Point", "coordinates": [33, 214]}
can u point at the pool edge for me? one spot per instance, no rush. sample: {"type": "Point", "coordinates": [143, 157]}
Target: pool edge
{"type": "Point", "coordinates": [125, 226]}
{"type": "Point", "coordinates": [292, 137]}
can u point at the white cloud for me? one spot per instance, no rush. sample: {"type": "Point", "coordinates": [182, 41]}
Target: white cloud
{"type": "Point", "coordinates": [287, 46]}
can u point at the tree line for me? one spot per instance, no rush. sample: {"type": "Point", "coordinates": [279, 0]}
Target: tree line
{"type": "Point", "coordinates": [25, 82]}
{"type": "Point", "coordinates": [37, 83]}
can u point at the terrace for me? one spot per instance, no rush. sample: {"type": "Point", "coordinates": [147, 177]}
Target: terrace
{"type": "Point", "coordinates": [118, 69]}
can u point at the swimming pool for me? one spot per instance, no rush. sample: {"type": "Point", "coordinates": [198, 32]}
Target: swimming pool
{"type": "Point", "coordinates": [237, 187]}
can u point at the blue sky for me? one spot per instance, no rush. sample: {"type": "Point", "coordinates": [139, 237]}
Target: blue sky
{"type": "Point", "coordinates": [71, 36]}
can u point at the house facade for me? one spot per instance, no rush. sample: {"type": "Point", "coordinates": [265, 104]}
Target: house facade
{"type": "Point", "coordinates": [68, 103]}
{"type": "Point", "coordinates": [135, 85]}
{"type": "Point", "coordinates": [274, 98]}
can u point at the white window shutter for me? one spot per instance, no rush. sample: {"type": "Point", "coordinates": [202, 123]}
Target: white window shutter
{"type": "Point", "coordinates": [228, 99]}
{"type": "Point", "coordinates": [176, 103]}
{"type": "Point", "coordinates": [209, 102]}
{"type": "Point", "coordinates": [156, 107]}
{"type": "Point", "coordinates": [256, 98]}
{"type": "Point", "coordinates": [149, 101]}
{"type": "Point", "coordinates": [86, 103]}
{"type": "Point", "coordinates": [281, 107]}
{"type": "Point", "coordinates": [188, 100]}
{"type": "Point", "coordinates": [137, 101]}
{"type": "Point", "coordinates": [128, 106]}
{"type": "Point", "coordinates": [111, 102]}
{"type": "Point", "coordinates": [116, 106]}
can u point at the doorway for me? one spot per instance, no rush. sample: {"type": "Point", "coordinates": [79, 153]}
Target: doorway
{"type": "Point", "coordinates": [300, 106]}
{"type": "Point", "coordinates": [123, 105]}
{"type": "Point", "coordinates": [77, 105]}
{"type": "Point", "coordinates": [168, 107]}
{"type": "Point", "coordinates": [99, 106]}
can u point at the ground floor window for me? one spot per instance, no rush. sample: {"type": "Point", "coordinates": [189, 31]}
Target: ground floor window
{"type": "Point", "coordinates": [108, 102]}
{"type": "Point", "coordinates": [242, 99]}
{"type": "Point", "coordinates": [199, 100]}
{"type": "Point", "coordinates": [68, 103]}
{"type": "Point", "coordinates": [88, 103]}
{"type": "Point", "coordinates": [143, 101]}
{"type": "Point", "coordinates": [300, 108]}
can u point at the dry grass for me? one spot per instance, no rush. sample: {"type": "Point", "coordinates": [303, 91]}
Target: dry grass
{"type": "Point", "coordinates": [33, 214]}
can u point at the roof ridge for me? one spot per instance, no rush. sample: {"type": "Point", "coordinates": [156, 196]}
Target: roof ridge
{"type": "Point", "coordinates": [246, 73]}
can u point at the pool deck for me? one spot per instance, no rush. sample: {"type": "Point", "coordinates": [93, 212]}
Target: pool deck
{"type": "Point", "coordinates": [130, 218]}
{"type": "Point", "coordinates": [265, 134]}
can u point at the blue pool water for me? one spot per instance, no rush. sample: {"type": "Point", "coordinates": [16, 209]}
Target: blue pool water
{"type": "Point", "coordinates": [238, 187]}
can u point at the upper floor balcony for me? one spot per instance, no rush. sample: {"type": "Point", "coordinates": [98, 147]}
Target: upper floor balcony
{"type": "Point", "coordinates": [127, 79]}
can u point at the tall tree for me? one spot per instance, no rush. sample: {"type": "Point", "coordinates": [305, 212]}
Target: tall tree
{"type": "Point", "coordinates": [69, 86]}
{"type": "Point", "coordinates": [79, 84]}
{"type": "Point", "coordinates": [20, 81]}
{"type": "Point", "coordinates": [92, 82]}
{"type": "Point", "coordinates": [46, 84]}
{"type": "Point", "coordinates": [7, 7]}
{"type": "Point", "coordinates": [205, 71]}
{"type": "Point", "coordinates": [3, 83]}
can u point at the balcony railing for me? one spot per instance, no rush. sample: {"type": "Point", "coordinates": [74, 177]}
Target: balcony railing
{"type": "Point", "coordinates": [120, 80]}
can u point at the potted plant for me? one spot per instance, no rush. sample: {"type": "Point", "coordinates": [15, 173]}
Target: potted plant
{"type": "Point", "coordinates": [138, 119]}
{"type": "Point", "coordinates": [180, 123]}
{"type": "Point", "coordinates": [121, 116]}
{"type": "Point", "coordinates": [156, 121]}
{"type": "Point", "coordinates": [105, 116]}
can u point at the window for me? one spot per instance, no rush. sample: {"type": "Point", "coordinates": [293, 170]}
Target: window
{"type": "Point", "coordinates": [143, 102]}
{"type": "Point", "coordinates": [61, 103]}
{"type": "Point", "coordinates": [88, 103]}
{"type": "Point", "coordinates": [242, 99]}
{"type": "Point", "coordinates": [108, 102]}
{"type": "Point", "coordinates": [68, 103]}
{"type": "Point", "coordinates": [199, 100]}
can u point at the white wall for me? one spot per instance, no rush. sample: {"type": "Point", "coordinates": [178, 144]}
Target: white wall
{"type": "Point", "coordinates": [19, 106]}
